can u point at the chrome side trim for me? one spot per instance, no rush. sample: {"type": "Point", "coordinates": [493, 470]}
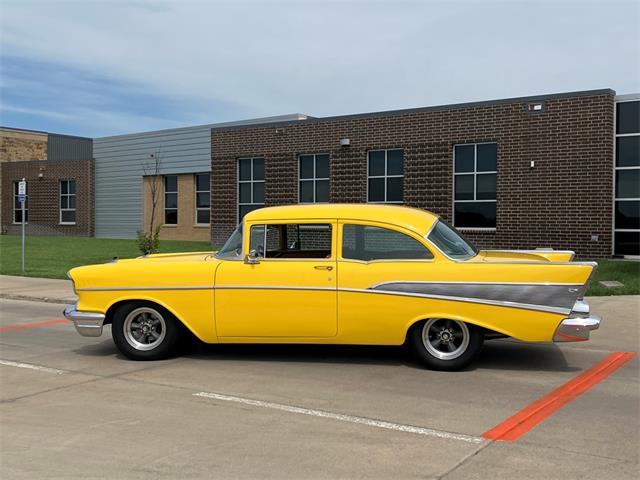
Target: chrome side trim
{"type": "Point", "coordinates": [273, 287]}
{"type": "Point", "coordinates": [433, 282]}
{"type": "Point", "coordinates": [497, 303]}
{"type": "Point", "coordinates": [175, 287]}
{"type": "Point", "coordinates": [88, 324]}
{"type": "Point", "coordinates": [549, 296]}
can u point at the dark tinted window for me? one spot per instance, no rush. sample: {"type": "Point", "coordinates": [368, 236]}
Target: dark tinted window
{"type": "Point", "coordinates": [464, 158]}
{"type": "Point", "coordinates": [202, 182]}
{"type": "Point", "coordinates": [628, 183]}
{"type": "Point", "coordinates": [258, 169]}
{"type": "Point", "coordinates": [487, 160]}
{"type": "Point", "coordinates": [628, 214]}
{"type": "Point", "coordinates": [627, 243]}
{"type": "Point", "coordinates": [171, 200]}
{"type": "Point", "coordinates": [322, 166]}
{"type": "Point", "coordinates": [366, 243]}
{"type": "Point", "coordinates": [464, 187]}
{"type": "Point", "coordinates": [628, 151]}
{"type": "Point", "coordinates": [486, 186]}
{"type": "Point", "coordinates": [475, 214]}
{"type": "Point", "coordinates": [628, 117]}
{"type": "Point", "coordinates": [306, 166]}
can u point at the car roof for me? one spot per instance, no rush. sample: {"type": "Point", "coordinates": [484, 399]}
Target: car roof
{"type": "Point", "coordinates": [414, 219]}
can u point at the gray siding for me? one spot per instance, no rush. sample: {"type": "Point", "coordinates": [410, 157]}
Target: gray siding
{"type": "Point", "coordinates": [67, 147]}
{"type": "Point", "coordinates": [119, 164]}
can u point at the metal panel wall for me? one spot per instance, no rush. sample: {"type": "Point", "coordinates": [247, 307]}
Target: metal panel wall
{"type": "Point", "coordinates": [67, 147]}
{"type": "Point", "coordinates": [120, 161]}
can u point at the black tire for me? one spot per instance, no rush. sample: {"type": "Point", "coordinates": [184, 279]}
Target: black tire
{"type": "Point", "coordinates": [144, 331]}
{"type": "Point", "coordinates": [459, 344]}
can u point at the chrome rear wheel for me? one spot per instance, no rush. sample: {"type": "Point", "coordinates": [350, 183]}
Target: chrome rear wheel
{"type": "Point", "coordinates": [445, 339]}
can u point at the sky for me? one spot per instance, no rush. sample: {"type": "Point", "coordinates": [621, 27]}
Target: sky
{"type": "Point", "coordinates": [97, 68]}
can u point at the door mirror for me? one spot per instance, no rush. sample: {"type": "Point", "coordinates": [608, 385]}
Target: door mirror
{"type": "Point", "coordinates": [251, 258]}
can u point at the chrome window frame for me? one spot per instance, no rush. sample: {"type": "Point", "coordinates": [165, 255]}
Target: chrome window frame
{"type": "Point", "coordinates": [386, 176]}
{"type": "Point", "coordinates": [251, 181]}
{"type": "Point", "coordinates": [68, 196]}
{"type": "Point", "coordinates": [164, 198]}
{"type": "Point", "coordinates": [475, 174]}
{"type": "Point", "coordinates": [616, 135]}
{"type": "Point", "coordinates": [313, 179]}
{"type": "Point", "coordinates": [195, 200]}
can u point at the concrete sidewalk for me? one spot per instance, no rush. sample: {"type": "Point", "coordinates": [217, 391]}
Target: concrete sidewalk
{"type": "Point", "coordinates": [37, 289]}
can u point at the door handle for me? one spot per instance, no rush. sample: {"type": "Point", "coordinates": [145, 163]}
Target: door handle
{"type": "Point", "coordinates": [323, 267]}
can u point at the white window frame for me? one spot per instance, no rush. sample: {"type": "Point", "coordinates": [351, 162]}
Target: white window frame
{"type": "Point", "coordinates": [251, 181]}
{"type": "Point", "coordinates": [164, 210]}
{"type": "Point", "coordinates": [386, 175]}
{"type": "Point", "coordinates": [313, 179]}
{"type": "Point", "coordinates": [475, 185]}
{"type": "Point", "coordinates": [195, 200]}
{"type": "Point", "coordinates": [616, 135]}
{"type": "Point", "coordinates": [68, 195]}
{"type": "Point", "coordinates": [17, 207]}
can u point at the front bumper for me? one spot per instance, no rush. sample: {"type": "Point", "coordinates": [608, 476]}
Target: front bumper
{"type": "Point", "coordinates": [88, 324]}
{"type": "Point", "coordinates": [577, 326]}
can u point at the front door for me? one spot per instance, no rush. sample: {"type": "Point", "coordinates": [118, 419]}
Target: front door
{"type": "Point", "coordinates": [288, 289]}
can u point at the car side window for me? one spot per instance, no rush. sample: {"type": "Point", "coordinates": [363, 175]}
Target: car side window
{"type": "Point", "coordinates": [367, 243]}
{"type": "Point", "coordinates": [290, 241]}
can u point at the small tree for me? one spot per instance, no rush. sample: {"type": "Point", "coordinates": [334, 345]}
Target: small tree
{"type": "Point", "coordinates": [149, 238]}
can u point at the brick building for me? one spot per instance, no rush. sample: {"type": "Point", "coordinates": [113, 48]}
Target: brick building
{"type": "Point", "coordinates": [551, 171]}
{"type": "Point", "coordinates": [522, 173]}
{"type": "Point", "coordinates": [60, 178]}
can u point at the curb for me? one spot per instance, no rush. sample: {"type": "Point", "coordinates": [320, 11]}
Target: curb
{"type": "Point", "coordinates": [28, 298]}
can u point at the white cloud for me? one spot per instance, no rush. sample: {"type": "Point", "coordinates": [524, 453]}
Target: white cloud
{"type": "Point", "coordinates": [326, 58]}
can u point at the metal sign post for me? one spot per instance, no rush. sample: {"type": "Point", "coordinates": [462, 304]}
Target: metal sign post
{"type": "Point", "coordinates": [22, 198]}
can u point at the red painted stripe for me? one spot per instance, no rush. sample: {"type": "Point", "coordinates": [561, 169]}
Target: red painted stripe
{"type": "Point", "coordinates": [32, 325]}
{"type": "Point", "coordinates": [527, 418]}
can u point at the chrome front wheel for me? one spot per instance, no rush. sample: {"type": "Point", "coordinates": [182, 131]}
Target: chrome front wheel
{"type": "Point", "coordinates": [144, 328]}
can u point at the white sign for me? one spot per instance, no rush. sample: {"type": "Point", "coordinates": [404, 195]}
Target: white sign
{"type": "Point", "coordinates": [22, 187]}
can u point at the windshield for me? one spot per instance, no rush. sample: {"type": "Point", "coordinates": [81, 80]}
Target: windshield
{"type": "Point", "coordinates": [451, 243]}
{"type": "Point", "coordinates": [232, 249]}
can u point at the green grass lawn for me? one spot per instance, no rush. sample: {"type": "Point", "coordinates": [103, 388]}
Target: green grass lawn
{"type": "Point", "coordinates": [51, 257]}
{"type": "Point", "coordinates": [626, 272]}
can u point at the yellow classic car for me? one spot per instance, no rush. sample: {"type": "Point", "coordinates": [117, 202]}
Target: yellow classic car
{"type": "Point", "coordinates": [338, 274]}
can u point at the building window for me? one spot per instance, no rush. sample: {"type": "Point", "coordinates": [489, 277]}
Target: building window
{"type": "Point", "coordinates": [475, 172]}
{"type": "Point", "coordinates": [171, 200]}
{"type": "Point", "coordinates": [68, 202]}
{"type": "Point", "coordinates": [17, 206]}
{"type": "Point", "coordinates": [203, 199]}
{"type": "Point", "coordinates": [314, 178]}
{"type": "Point", "coordinates": [627, 188]}
{"type": "Point", "coordinates": [250, 185]}
{"type": "Point", "coordinates": [385, 172]}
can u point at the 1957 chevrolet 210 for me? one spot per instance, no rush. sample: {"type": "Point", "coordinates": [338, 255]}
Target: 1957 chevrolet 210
{"type": "Point", "coordinates": [341, 274]}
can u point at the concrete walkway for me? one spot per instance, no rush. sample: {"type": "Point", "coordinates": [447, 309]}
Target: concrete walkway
{"type": "Point", "coordinates": [37, 289]}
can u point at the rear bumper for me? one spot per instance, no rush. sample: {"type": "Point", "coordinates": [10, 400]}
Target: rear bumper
{"type": "Point", "coordinates": [577, 326]}
{"type": "Point", "coordinates": [88, 324]}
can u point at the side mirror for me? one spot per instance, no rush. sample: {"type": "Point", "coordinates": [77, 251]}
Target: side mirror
{"type": "Point", "coordinates": [251, 258]}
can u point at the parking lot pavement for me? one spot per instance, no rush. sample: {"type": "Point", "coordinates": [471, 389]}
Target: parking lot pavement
{"type": "Point", "coordinates": [74, 407]}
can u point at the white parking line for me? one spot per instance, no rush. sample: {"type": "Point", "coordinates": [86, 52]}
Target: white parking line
{"type": "Point", "coordinates": [30, 366]}
{"type": "Point", "coordinates": [429, 432]}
